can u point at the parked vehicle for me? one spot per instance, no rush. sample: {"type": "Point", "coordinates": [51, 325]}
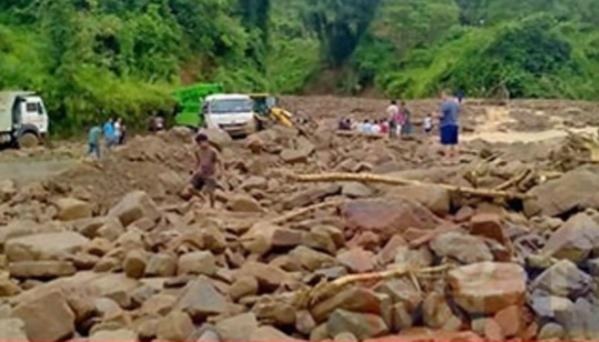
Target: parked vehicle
{"type": "Point", "coordinates": [233, 113]}
{"type": "Point", "coordinates": [190, 101]}
{"type": "Point", "coordinates": [23, 118]}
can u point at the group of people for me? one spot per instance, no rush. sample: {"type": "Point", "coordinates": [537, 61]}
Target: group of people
{"type": "Point", "coordinates": [114, 133]}
{"type": "Point", "coordinates": [399, 122]}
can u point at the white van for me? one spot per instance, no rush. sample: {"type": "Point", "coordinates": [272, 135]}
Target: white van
{"type": "Point", "coordinates": [233, 113]}
{"type": "Point", "coordinates": [23, 118]}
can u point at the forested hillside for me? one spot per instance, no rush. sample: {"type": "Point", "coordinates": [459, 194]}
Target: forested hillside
{"type": "Point", "coordinates": [95, 57]}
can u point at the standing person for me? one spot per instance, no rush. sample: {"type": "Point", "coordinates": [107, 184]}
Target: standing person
{"type": "Point", "coordinates": [118, 131]}
{"type": "Point", "coordinates": [94, 141]}
{"type": "Point", "coordinates": [123, 133]}
{"type": "Point", "coordinates": [109, 132]}
{"type": "Point", "coordinates": [407, 117]}
{"type": "Point", "coordinates": [449, 126]}
{"type": "Point", "coordinates": [392, 112]}
{"type": "Point", "coordinates": [208, 168]}
{"type": "Point", "coordinates": [427, 123]}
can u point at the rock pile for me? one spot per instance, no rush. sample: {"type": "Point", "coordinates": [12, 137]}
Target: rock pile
{"type": "Point", "coordinates": [148, 268]}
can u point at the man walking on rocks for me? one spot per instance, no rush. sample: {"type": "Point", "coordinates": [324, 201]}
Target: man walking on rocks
{"type": "Point", "coordinates": [449, 126]}
{"type": "Point", "coordinates": [207, 168]}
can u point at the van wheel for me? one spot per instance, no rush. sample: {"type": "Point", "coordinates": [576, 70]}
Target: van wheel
{"type": "Point", "coordinates": [28, 140]}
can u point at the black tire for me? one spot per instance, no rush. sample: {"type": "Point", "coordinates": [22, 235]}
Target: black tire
{"type": "Point", "coordinates": [28, 140]}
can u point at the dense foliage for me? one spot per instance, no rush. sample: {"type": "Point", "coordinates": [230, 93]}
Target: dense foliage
{"type": "Point", "coordinates": [94, 58]}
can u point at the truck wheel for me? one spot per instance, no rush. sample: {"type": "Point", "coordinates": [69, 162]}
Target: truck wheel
{"type": "Point", "coordinates": [28, 140]}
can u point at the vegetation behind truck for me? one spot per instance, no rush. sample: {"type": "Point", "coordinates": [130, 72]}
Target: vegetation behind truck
{"type": "Point", "coordinates": [23, 118]}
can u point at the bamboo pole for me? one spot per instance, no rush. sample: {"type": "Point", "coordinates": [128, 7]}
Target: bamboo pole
{"type": "Point", "coordinates": [371, 178]}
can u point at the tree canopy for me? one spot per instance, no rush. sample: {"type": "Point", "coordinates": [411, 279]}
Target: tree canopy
{"type": "Point", "coordinates": [94, 58]}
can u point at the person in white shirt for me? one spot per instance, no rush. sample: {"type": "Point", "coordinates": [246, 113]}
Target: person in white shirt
{"type": "Point", "coordinates": [428, 124]}
{"type": "Point", "coordinates": [392, 113]}
{"type": "Point", "coordinates": [376, 127]}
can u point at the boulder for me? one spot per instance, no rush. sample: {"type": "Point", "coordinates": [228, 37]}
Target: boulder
{"type": "Point", "coordinates": [70, 209]}
{"type": "Point", "coordinates": [285, 238]}
{"type": "Point", "coordinates": [134, 206]}
{"type": "Point", "coordinates": [575, 240]}
{"type": "Point", "coordinates": [258, 240]}
{"type": "Point", "coordinates": [158, 305]}
{"type": "Point", "coordinates": [578, 189]}
{"type": "Point", "coordinates": [356, 190]}
{"type": "Point", "coordinates": [176, 326]}
{"type": "Point", "coordinates": [321, 239]}
{"type": "Point", "coordinates": [254, 182]}
{"type": "Point", "coordinates": [462, 247]}
{"type": "Point", "coordinates": [48, 246]}
{"type": "Point", "coordinates": [434, 198]}
{"type": "Point", "coordinates": [551, 331]}
{"type": "Point", "coordinates": [356, 299]}
{"type": "Point", "coordinates": [135, 263]}
{"type": "Point", "coordinates": [47, 317]}
{"type": "Point", "coordinates": [201, 262]}
{"type": "Point", "coordinates": [12, 330]}
{"type": "Point", "coordinates": [172, 182]}
{"type": "Point", "coordinates": [437, 313]}
{"type": "Point", "coordinates": [244, 203]}
{"type": "Point", "coordinates": [41, 269]}
{"type": "Point", "coordinates": [200, 299]}
{"type": "Point", "coordinates": [243, 286]}
{"type": "Point", "coordinates": [310, 196]}
{"type": "Point", "coordinates": [269, 277]}
{"type": "Point", "coordinates": [218, 138]}
{"type": "Point", "coordinates": [295, 156]}
{"type": "Point", "coordinates": [387, 217]}
{"type": "Point", "coordinates": [310, 259]}
{"type": "Point", "coordinates": [488, 287]}
{"type": "Point", "coordinates": [161, 265]}
{"type": "Point", "coordinates": [361, 325]}
{"type": "Point", "coordinates": [551, 307]}
{"type": "Point", "coordinates": [564, 279]}
{"type": "Point", "coordinates": [357, 260]}
{"type": "Point", "coordinates": [237, 328]}
{"type": "Point", "coordinates": [488, 225]}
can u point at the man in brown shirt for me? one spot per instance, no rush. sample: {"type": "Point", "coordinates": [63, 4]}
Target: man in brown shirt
{"type": "Point", "coordinates": [208, 166]}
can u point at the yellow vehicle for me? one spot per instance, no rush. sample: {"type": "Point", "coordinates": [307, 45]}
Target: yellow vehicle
{"type": "Point", "coordinates": [267, 110]}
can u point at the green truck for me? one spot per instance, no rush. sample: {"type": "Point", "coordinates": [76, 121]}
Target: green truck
{"type": "Point", "coordinates": [190, 101]}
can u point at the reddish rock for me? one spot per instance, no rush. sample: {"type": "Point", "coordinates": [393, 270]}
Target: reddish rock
{"type": "Point", "coordinates": [464, 214]}
{"type": "Point", "coordinates": [387, 254]}
{"type": "Point", "coordinates": [488, 225]}
{"type": "Point", "coordinates": [357, 260]}
{"type": "Point", "coordinates": [387, 217]}
{"type": "Point", "coordinates": [493, 331]}
{"type": "Point", "coordinates": [283, 237]}
{"type": "Point", "coordinates": [367, 240]}
{"type": "Point", "coordinates": [269, 277]}
{"type": "Point", "coordinates": [511, 320]}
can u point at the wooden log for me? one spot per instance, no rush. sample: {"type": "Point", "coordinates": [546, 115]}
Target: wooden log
{"type": "Point", "coordinates": [371, 178]}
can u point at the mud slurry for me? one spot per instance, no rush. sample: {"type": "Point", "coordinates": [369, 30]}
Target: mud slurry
{"type": "Point", "coordinates": [107, 250]}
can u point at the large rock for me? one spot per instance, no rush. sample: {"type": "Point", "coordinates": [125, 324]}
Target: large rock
{"type": "Point", "coordinates": [387, 216]}
{"type": "Point", "coordinates": [310, 259]}
{"type": "Point", "coordinates": [435, 198]}
{"type": "Point", "coordinates": [200, 262]}
{"type": "Point", "coordinates": [176, 326]}
{"type": "Point", "coordinates": [462, 247]}
{"type": "Point", "coordinates": [237, 328]}
{"type": "Point", "coordinates": [269, 277]}
{"type": "Point", "coordinates": [134, 206]}
{"type": "Point", "coordinates": [578, 189]}
{"type": "Point", "coordinates": [244, 203]}
{"type": "Point", "coordinates": [200, 299]}
{"type": "Point", "coordinates": [218, 138]}
{"type": "Point", "coordinates": [12, 330]}
{"type": "Point", "coordinates": [41, 269]}
{"type": "Point", "coordinates": [437, 313]}
{"type": "Point", "coordinates": [47, 317]}
{"type": "Point", "coordinates": [551, 307]}
{"type": "Point", "coordinates": [311, 195]}
{"type": "Point", "coordinates": [575, 240]}
{"type": "Point", "coordinates": [564, 279]}
{"type": "Point", "coordinates": [361, 325]}
{"type": "Point", "coordinates": [70, 209]}
{"type": "Point", "coordinates": [259, 239]}
{"type": "Point", "coordinates": [49, 246]}
{"type": "Point", "coordinates": [355, 299]}
{"type": "Point", "coordinates": [357, 260]}
{"type": "Point", "coordinates": [488, 287]}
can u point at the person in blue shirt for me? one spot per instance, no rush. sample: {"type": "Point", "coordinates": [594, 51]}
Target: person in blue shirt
{"type": "Point", "coordinates": [94, 141]}
{"type": "Point", "coordinates": [449, 126]}
{"type": "Point", "coordinates": [109, 133]}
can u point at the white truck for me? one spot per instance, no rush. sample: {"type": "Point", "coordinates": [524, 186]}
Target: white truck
{"type": "Point", "coordinates": [23, 118]}
{"type": "Point", "coordinates": [233, 113]}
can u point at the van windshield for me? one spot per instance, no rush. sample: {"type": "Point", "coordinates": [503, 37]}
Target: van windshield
{"type": "Point", "coordinates": [231, 106]}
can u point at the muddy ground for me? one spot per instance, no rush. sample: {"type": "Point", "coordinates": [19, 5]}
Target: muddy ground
{"type": "Point", "coordinates": [500, 246]}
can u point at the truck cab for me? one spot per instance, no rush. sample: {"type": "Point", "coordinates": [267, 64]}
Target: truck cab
{"type": "Point", "coordinates": [233, 113]}
{"type": "Point", "coordinates": [23, 118]}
